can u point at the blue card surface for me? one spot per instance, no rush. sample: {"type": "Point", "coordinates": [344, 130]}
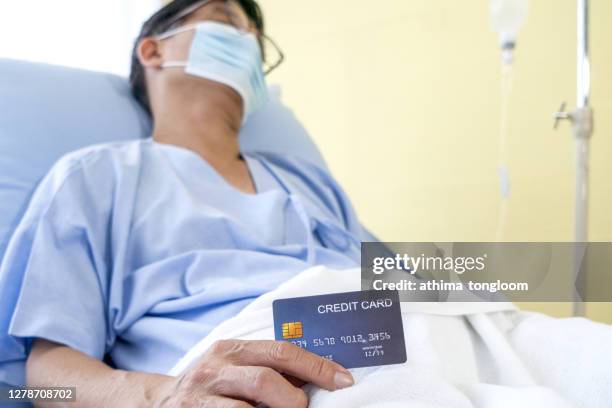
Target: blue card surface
{"type": "Point", "coordinates": [354, 329]}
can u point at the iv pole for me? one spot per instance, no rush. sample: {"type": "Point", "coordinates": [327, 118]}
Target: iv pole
{"type": "Point", "coordinates": [582, 128]}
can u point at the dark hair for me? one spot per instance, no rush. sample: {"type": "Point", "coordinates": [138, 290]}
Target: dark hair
{"type": "Point", "coordinates": [162, 21]}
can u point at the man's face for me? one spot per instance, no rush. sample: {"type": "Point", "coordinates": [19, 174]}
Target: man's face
{"type": "Point", "coordinates": [191, 91]}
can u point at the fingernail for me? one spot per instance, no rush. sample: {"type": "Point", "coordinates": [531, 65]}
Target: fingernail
{"type": "Point", "coordinates": [343, 380]}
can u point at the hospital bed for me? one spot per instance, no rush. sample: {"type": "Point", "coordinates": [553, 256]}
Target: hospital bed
{"type": "Point", "coordinates": [47, 111]}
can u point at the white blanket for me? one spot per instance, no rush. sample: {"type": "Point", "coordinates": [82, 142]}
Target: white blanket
{"type": "Point", "coordinates": [459, 354]}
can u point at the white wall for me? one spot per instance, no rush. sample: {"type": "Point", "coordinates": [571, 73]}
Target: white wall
{"type": "Point", "coordinates": [90, 34]}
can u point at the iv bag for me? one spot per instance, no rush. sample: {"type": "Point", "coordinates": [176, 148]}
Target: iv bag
{"type": "Point", "coordinates": [507, 17]}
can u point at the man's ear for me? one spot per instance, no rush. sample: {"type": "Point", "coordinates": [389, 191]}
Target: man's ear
{"type": "Point", "coordinates": [149, 53]}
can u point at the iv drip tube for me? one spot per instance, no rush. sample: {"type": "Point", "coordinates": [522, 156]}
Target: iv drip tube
{"type": "Point", "coordinates": [502, 156]}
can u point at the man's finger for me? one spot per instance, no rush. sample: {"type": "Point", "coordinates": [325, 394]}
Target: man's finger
{"type": "Point", "coordinates": [259, 384]}
{"type": "Point", "coordinates": [290, 359]}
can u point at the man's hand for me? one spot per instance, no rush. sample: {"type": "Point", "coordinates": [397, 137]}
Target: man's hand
{"type": "Point", "coordinates": [232, 373]}
{"type": "Point", "coordinates": [235, 373]}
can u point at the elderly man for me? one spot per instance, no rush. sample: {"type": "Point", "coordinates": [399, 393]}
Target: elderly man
{"type": "Point", "coordinates": [132, 252]}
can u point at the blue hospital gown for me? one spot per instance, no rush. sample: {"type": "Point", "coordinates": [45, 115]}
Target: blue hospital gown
{"type": "Point", "coordinates": [138, 250]}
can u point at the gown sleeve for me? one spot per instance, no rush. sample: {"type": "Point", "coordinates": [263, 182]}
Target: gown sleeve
{"type": "Point", "coordinates": [53, 278]}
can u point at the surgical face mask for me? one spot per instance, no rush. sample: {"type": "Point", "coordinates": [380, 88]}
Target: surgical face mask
{"type": "Point", "coordinates": [223, 54]}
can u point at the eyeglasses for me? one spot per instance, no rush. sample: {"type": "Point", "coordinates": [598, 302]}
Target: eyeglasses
{"type": "Point", "coordinates": [231, 12]}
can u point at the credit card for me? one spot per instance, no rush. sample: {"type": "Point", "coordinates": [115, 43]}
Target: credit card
{"type": "Point", "coordinates": [354, 329]}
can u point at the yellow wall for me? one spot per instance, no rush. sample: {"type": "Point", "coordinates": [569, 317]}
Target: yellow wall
{"type": "Point", "coordinates": [403, 98]}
